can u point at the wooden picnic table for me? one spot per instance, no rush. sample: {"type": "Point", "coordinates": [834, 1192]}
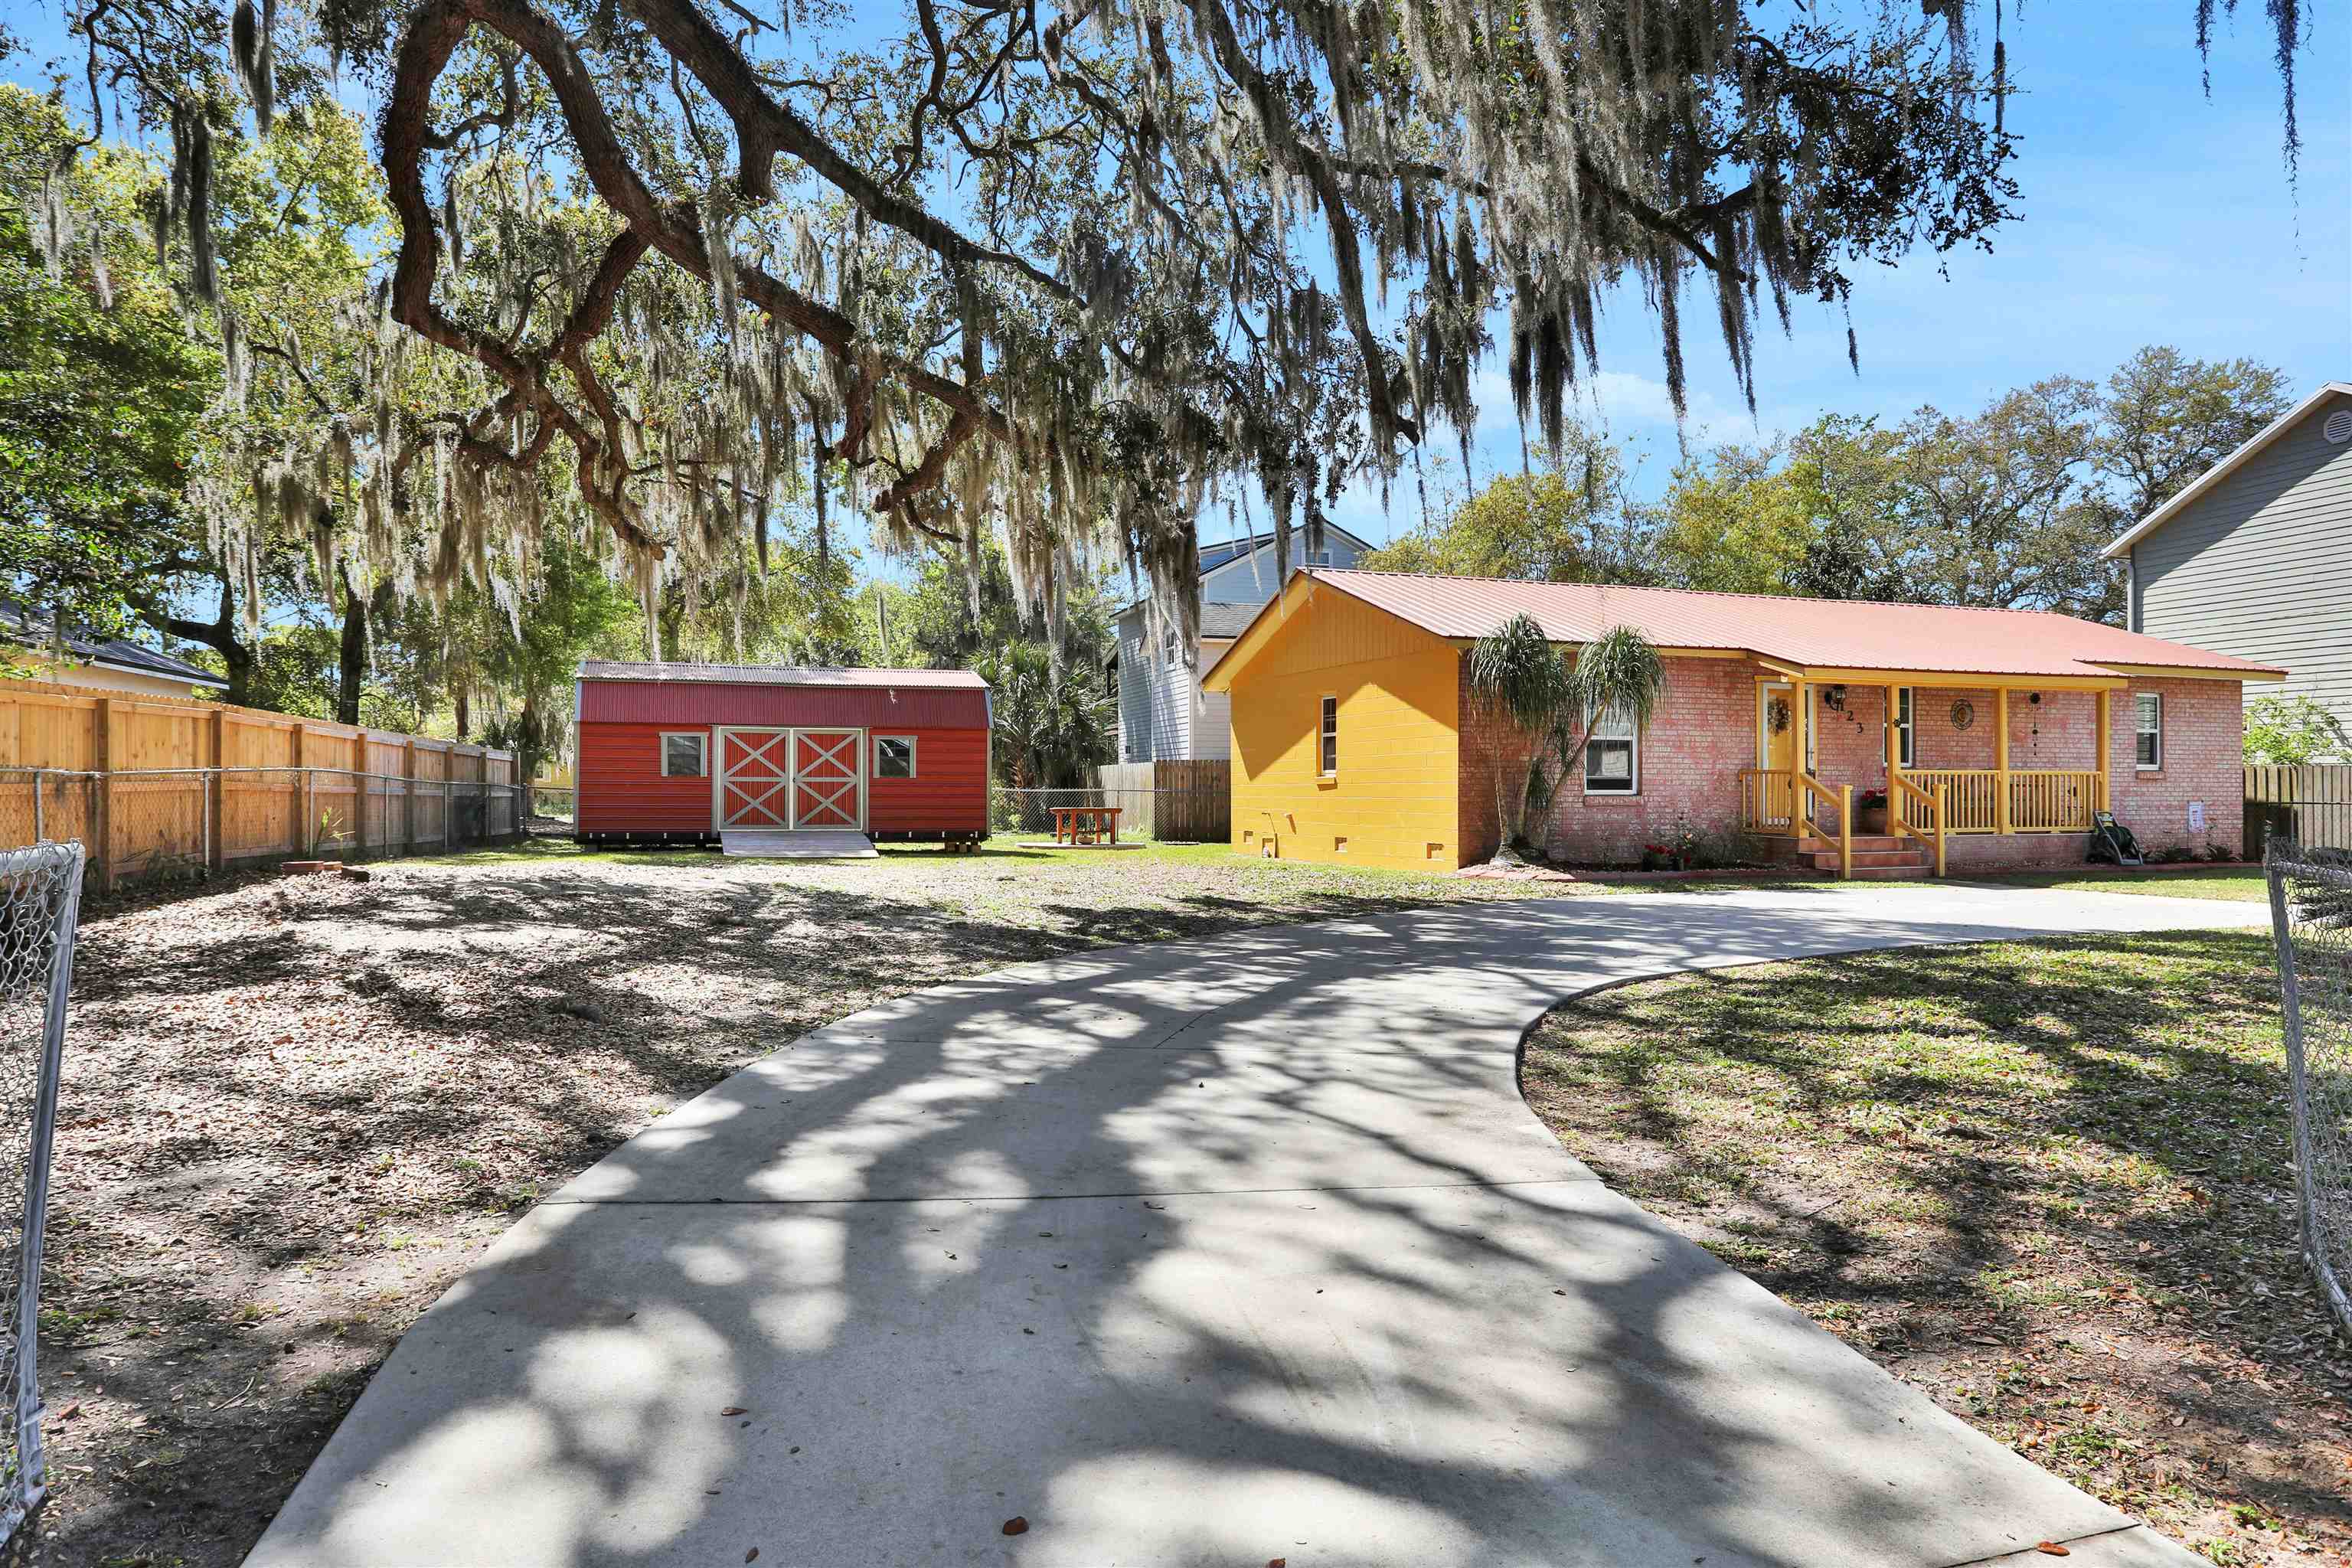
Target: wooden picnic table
{"type": "Point", "coordinates": [1086, 823]}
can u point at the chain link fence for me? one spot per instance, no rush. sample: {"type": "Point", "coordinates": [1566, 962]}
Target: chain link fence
{"type": "Point", "coordinates": [2311, 916]}
{"type": "Point", "coordinates": [157, 822]}
{"type": "Point", "coordinates": [40, 895]}
{"type": "Point", "coordinates": [1168, 815]}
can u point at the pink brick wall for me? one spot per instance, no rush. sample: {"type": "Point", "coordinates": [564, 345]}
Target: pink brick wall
{"type": "Point", "coordinates": [1850, 746]}
{"type": "Point", "coordinates": [1704, 733]}
{"type": "Point", "coordinates": [2204, 760]}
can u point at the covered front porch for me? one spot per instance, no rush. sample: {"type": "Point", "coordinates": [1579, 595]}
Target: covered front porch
{"type": "Point", "coordinates": [1865, 768]}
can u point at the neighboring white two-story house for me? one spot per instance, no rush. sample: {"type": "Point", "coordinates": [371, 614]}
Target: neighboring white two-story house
{"type": "Point", "coordinates": [1163, 716]}
{"type": "Point", "coordinates": [2255, 557]}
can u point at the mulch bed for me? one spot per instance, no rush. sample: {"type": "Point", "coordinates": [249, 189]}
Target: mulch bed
{"type": "Point", "coordinates": [2049, 1184]}
{"type": "Point", "coordinates": [296, 1108]}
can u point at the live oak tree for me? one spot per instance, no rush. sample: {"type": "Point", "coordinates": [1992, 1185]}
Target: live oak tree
{"type": "Point", "coordinates": [1048, 276]}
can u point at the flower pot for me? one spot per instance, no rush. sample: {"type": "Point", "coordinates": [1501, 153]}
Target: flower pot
{"type": "Point", "coordinates": [1870, 819]}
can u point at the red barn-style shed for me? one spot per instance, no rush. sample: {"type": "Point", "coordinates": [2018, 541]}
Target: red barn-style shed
{"type": "Point", "coordinates": [682, 753]}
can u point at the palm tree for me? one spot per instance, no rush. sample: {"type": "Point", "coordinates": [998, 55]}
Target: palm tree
{"type": "Point", "coordinates": [1550, 700]}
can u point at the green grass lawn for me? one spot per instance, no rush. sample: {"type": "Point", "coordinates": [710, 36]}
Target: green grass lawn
{"type": "Point", "coordinates": [2048, 1182]}
{"type": "Point", "coordinates": [2234, 883]}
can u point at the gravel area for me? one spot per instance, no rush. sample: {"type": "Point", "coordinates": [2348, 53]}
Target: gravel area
{"type": "Point", "coordinates": [296, 1108]}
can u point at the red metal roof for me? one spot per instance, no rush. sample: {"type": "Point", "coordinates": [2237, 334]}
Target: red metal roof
{"type": "Point", "coordinates": [763, 694]}
{"type": "Point", "coordinates": [1820, 634]}
{"type": "Point", "coordinates": [777, 675]}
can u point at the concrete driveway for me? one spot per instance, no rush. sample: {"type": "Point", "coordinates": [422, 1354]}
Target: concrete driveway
{"type": "Point", "coordinates": [1200, 1253]}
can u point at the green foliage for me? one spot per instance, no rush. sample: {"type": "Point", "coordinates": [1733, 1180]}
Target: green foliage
{"type": "Point", "coordinates": [1520, 676]}
{"type": "Point", "coordinates": [2005, 508]}
{"type": "Point", "coordinates": [1572, 522]}
{"type": "Point", "coordinates": [1051, 726]}
{"type": "Point", "coordinates": [2290, 731]}
{"type": "Point", "coordinates": [101, 390]}
{"type": "Point", "coordinates": [1550, 698]}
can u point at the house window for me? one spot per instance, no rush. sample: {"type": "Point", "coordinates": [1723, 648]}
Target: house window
{"type": "Point", "coordinates": [894, 756]}
{"type": "Point", "coordinates": [2148, 709]}
{"type": "Point", "coordinates": [685, 755]}
{"type": "Point", "coordinates": [1175, 650]}
{"type": "Point", "coordinates": [1318, 558]}
{"type": "Point", "coordinates": [1903, 754]}
{"type": "Point", "coordinates": [1612, 757]}
{"type": "Point", "coordinates": [1329, 743]}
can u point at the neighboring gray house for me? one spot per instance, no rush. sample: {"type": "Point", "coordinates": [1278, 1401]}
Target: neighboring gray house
{"type": "Point", "coordinates": [2254, 557]}
{"type": "Point", "coordinates": [1163, 715]}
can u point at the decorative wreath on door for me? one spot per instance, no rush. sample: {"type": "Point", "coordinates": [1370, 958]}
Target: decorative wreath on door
{"type": "Point", "coordinates": [1964, 714]}
{"type": "Point", "coordinates": [1776, 714]}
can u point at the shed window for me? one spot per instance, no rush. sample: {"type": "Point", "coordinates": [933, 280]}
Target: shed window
{"type": "Point", "coordinates": [1612, 758]}
{"type": "Point", "coordinates": [685, 755]}
{"type": "Point", "coordinates": [1903, 754]}
{"type": "Point", "coordinates": [2149, 709]}
{"type": "Point", "coordinates": [1329, 748]}
{"type": "Point", "coordinates": [894, 756]}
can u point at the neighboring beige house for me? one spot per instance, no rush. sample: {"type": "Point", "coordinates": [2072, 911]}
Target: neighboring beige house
{"type": "Point", "coordinates": [104, 664]}
{"type": "Point", "coordinates": [2254, 557]}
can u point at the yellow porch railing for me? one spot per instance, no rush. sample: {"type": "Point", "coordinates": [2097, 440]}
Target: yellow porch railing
{"type": "Point", "coordinates": [1767, 800]}
{"type": "Point", "coordinates": [1914, 812]}
{"type": "Point", "coordinates": [2016, 800]}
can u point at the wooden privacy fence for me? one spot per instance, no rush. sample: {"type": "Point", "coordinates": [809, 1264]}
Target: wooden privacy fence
{"type": "Point", "coordinates": [1172, 801]}
{"type": "Point", "coordinates": [152, 785]}
{"type": "Point", "coordinates": [2311, 805]}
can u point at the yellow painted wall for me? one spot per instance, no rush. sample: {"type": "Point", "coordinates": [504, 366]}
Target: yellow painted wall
{"type": "Point", "coordinates": [1394, 797]}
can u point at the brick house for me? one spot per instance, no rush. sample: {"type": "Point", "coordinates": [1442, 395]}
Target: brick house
{"type": "Point", "coordinates": [1868, 738]}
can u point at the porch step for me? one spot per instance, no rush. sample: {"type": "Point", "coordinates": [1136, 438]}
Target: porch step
{"type": "Point", "coordinates": [1878, 859]}
{"type": "Point", "coordinates": [1813, 844]}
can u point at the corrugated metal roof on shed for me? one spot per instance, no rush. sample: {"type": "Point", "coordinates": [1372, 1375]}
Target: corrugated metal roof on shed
{"type": "Point", "coordinates": [700, 694]}
{"type": "Point", "coordinates": [777, 675]}
{"type": "Point", "coordinates": [1817, 633]}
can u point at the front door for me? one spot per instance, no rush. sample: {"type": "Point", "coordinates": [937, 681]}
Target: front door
{"type": "Point", "coordinates": [755, 778]}
{"type": "Point", "coordinates": [1776, 747]}
{"type": "Point", "coordinates": [829, 778]}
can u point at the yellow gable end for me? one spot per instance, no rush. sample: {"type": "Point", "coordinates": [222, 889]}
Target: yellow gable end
{"type": "Point", "coordinates": [1391, 799]}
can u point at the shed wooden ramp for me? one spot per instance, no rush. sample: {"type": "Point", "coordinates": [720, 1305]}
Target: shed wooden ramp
{"type": "Point", "coordinates": [802, 844]}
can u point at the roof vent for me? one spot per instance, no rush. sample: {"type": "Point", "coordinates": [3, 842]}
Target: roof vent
{"type": "Point", "coordinates": [2338, 428]}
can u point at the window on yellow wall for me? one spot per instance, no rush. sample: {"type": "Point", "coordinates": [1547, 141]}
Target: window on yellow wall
{"type": "Point", "coordinates": [1330, 743]}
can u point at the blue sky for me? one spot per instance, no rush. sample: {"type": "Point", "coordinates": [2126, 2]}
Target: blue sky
{"type": "Point", "coordinates": [2148, 213]}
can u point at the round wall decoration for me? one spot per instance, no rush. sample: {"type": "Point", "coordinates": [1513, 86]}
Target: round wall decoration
{"type": "Point", "coordinates": [1964, 714]}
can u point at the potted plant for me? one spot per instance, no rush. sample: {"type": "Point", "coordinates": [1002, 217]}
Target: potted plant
{"type": "Point", "coordinates": [1660, 858]}
{"type": "Point", "coordinates": [1870, 811]}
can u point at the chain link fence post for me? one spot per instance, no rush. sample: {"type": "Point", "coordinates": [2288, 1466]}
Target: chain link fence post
{"type": "Point", "coordinates": [40, 901]}
{"type": "Point", "coordinates": [2311, 918]}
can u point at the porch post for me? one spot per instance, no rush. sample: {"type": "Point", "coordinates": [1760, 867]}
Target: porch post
{"type": "Point", "coordinates": [1798, 753]}
{"type": "Point", "coordinates": [2000, 750]}
{"type": "Point", "coordinates": [2105, 749]}
{"type": "Point", "coordinates": [1895, 815]}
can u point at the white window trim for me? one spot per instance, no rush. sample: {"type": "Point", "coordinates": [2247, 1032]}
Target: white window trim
{"type": "Point", "coordinates": [1331, 699]}
{"type": "Point", "coordinates": [2157, 698]}
{"type": "Point", "coordinates": [701, 738]}
{"type": "Point", "coordinates": [914, 759]}
{"type": "Point", "coordinates": [1585, 763]}
{"type": "Point", "coordinates": [1906, 728]}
